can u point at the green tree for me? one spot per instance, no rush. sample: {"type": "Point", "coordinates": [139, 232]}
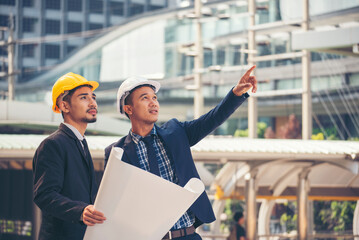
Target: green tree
{"type": "Point", "coordinates": [334, 216]}
{"type": "Point", "coordinates": [289, 217]}
{"type": "Point", "coordinates": [261, 128]}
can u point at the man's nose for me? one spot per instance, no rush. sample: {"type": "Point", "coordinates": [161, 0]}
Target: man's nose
{"type": "Point", "coordinates": [153, 102]}
{"type": "Point", "coordinates": [93, 102]}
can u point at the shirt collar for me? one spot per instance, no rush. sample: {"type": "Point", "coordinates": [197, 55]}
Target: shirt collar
{"type": "Point", "coordinates": [136, 138]}
{"type": "Point", "coordinates": [75, 131]}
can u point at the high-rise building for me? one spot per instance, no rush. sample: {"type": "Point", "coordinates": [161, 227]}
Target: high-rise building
{"type": "Point", "coordinates": [48, 31]}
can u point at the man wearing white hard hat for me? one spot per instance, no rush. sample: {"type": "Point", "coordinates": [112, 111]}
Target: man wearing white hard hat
{"type": "Point", "coordinates": [165, 150]}
{"type": "Point", "coordinates": [64, 176]}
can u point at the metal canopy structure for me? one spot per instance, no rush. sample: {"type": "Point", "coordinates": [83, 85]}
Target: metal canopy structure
{"type": "Point", "coordinates": [270, 169]}
{"type": "Point", "coordinates": [266, 169]}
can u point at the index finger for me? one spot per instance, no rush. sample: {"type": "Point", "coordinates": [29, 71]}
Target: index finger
{"type": "Point", "coordinates": [98, 213]}
{"type": "Point", "coordinates": [249, 71]}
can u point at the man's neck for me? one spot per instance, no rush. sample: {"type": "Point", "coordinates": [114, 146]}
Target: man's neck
{"type": "Point", "coordinates": [81, 127]}
{"type": "Point", "coordinates": [142, 129]}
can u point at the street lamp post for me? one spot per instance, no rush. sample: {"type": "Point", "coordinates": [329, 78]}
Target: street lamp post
{"type": "Point", "coordinates": [307, 94]}
{"type": "Point", "coordinates": [252, 101]}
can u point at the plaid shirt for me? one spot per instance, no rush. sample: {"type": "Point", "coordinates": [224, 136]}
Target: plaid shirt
{"type": "Point", "coordinates": [166, 168]}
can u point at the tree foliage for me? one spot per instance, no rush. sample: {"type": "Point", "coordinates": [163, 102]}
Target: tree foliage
{"type": "Point", "coordinates": [334, 216]}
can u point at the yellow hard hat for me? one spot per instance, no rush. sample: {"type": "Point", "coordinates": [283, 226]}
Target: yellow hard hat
{"type": "Point", "coordinates": [68, 82]}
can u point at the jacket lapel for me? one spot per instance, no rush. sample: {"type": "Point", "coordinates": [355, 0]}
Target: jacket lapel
{"type": "Point", "coordinates": [69, 132]}
{"type": "Point", "coordinates": [167, 142]}
{"type": "Point", "coordinates": [129, 152]}
{"type": "Point", "coordinates": [87, 159]}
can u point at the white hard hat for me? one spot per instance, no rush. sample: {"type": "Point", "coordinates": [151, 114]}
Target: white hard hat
{"type": "Point", "coordinates": [128, 85]}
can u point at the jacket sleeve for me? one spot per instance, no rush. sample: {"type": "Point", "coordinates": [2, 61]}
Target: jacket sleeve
{"type": "Point", "coordinates": [107, 154]}
{"type": "Point", "coordinates": [199, 128]}
{"type": "Point", "coordinates": [48, 172]}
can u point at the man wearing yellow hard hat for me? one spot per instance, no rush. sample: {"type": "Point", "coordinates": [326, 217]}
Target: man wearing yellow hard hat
{"type": "Point", "coordinates": [64, 176]}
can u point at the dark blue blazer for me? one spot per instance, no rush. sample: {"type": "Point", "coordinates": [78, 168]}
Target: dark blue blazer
{"type": "Point", "coordinates": [178, 137]}
{"type": "Point", "coordinates": [64, 184]}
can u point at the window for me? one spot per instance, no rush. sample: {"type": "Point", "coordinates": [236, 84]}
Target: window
{"type": "Point", "coordinates": [4, 20]}
{"type": "Point", "coordinates": [221, 56]}
{"type": "Point", "coordinates": [7, 2]}
{"type": "Point", "coordinates": [28, 24]}
{"type": "Point", "coordinates": [53, 4]}
{"type": "Point", "coordinates": [155, 7]}
{"type": "Point", "coordinates": [3, 51]}
{"type": "Point", "coordinates": [52, 51]}
{"type": "Point", "coordinates": [74, 5]}
{"type": "Point", "coordinates": [73, 27]}
{"type": "Point", "coordinates": [116, 8]}
{"type": "Point", "coordinates": [28, 50]}
{"type": "Point", "coordinates": [96, 6]}
{"type": "Point", "coordinates": [207, 58]}
{"type": "Point", "coordinates": [70, 48]}
{"type": "Point", "coordinates": [4, 68]}
{"type": "Point", "coordinates": [27, 73]}
{"type": "Point", "coordinates": [236, 55]}
{"type": "Point", "coordinates": [27, 3]}
{"type": "Point", "coordinates": [136, 8]}
{"type": "Point", "coordinates": [52, 27]}
{"type": "Point", "coordinates": [94, 26]}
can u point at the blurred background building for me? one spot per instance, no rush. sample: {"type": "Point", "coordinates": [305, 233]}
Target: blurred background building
{"type": "Point", "coordinates": [66, 19]}
{"type": "Point", "coordinates": [160, 45]}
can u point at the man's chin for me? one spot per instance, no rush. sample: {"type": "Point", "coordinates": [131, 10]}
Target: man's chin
{"type": "Point", "coordinates": [91, 120]}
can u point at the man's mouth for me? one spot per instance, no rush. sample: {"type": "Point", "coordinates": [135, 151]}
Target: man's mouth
{"type": "Point", "coordinates": [92, 111]}
{"type": "Point", "coordinates": [154, 111]}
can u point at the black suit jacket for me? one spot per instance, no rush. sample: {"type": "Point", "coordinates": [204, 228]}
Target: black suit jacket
{"type": "Point", "coordinates": [64, 184]}
{"type": "Point", "coordinates": [178, 137]}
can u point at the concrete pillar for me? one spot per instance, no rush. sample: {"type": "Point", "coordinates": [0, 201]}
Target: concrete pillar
{"type": "Point", "coordinates": [302, 205]}
{"type": "Point", "coordinates": [251, 206]}
{"type": "Point", "coordinates": [106, 13]}
{"type": "Point", "coordinates": [63, 28]}
{"type": "Point", "coordinates": [126, 8]}
{"type": "Point", "coordinates": [85, 15]}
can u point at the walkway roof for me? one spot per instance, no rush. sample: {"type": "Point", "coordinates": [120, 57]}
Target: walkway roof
{"type": "Point", "coordinates": [333, 165]}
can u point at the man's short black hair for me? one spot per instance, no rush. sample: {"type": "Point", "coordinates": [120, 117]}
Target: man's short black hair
{"type": "Point", "coordinates": [237, 216]}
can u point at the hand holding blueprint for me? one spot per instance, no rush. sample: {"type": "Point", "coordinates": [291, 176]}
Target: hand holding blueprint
{"type": "Point", "coordinates": [138, 204]}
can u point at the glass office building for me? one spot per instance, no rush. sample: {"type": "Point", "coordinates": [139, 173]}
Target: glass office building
{"type": "Point", "coordinates": [160, 46]}
{"type": "Point", "coordinates": [72, 23]}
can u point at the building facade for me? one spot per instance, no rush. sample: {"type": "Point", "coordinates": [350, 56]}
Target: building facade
{"type": "Point", "coordinates": [48, 31]}
{"type": "Point", "coordinates": [160, 45]}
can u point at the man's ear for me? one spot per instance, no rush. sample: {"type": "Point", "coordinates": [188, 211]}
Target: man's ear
{"type": "Point", "coordinates": [127, 109]}
{"type": "Point", "coordinates": [64, 106]}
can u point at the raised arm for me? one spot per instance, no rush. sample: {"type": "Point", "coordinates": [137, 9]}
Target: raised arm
{"type": "Point", "coordinates": [199, 128]}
